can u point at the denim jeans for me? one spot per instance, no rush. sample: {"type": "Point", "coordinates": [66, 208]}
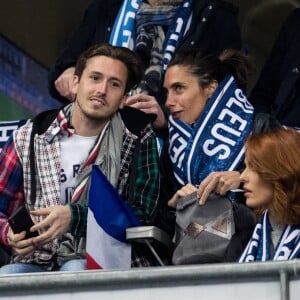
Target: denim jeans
{"type": "Point", "coordinates": [72, 265]}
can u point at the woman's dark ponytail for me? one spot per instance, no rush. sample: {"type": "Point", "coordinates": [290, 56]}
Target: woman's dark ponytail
{"type": "Point", "coordinates": [237, 64]}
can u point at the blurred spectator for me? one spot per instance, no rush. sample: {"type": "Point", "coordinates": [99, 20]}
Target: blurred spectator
{"type": "Point", "coordinates": [277, 90]}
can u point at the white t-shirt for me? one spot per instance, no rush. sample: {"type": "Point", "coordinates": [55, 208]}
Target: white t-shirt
{"type": "Point", "coordinates": [74, 152]}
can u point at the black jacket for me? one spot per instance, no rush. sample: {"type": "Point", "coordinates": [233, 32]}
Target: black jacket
{"type": "Point", "coordinates": [278, 87]}
{"type": "Point", "coordinates": [214, 27]}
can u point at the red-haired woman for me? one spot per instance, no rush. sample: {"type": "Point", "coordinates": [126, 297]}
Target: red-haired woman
{"type": "Point", "coordinates": [272, 185]}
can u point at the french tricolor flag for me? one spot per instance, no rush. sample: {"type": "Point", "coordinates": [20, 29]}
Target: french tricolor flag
{"type": "Point", "coordinates": [108, 218]}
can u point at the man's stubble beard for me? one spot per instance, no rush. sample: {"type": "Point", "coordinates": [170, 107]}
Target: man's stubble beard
{"type": "Point", "coordinates": [94, 118]}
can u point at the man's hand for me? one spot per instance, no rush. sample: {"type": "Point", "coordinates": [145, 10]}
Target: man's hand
{"type": "Point", "coordinates": [148, 104]}
{"type": "Point", "coordinates": [64, 83]}
{"type": "Point", "coordinates": [218, 182]}
{"type": "Point", "coordinates": [56, 223]}
{"type": "Point", "coordinates": [18, 244]}
{"type": "Point", "coordinates": [184, 191]}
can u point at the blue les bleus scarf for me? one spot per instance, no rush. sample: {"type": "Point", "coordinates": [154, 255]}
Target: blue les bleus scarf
{"type": "Point", "coordinates": [124, 30]}
{"type": "Point", "coordinates": [216, 141]}
{"type": "Point", "coordinates": [259, 246]}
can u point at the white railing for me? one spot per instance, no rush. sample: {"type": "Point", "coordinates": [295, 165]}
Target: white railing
{"type": "Point", "coordinates": [270, 280]}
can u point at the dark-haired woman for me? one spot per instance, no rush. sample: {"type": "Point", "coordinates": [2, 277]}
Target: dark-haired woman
{"type": "Point", "coordinates": [210, 119]}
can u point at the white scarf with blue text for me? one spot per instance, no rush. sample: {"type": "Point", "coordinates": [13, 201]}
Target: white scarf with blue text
{"type": "Point", "coordinates": [216, 141]}
{"type": "Point", "coordinates": [259, 246]}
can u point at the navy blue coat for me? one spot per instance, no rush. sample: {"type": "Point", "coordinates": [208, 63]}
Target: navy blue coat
{"type": "Point", "coordinates": [213, 29]}
{"type": "Point", "coordinates": [278, 87]}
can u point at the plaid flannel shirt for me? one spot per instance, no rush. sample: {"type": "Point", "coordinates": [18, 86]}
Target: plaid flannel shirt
{"type": "Point", "coordinates": [11, 186]}
{"type": "Point", "coordinates": [143, 195]}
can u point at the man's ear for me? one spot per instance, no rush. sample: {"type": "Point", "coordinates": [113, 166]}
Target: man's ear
{"type": "Point", "coordinates": [75, 84]}
{"type": "Point", "coordinates": [211, 88]}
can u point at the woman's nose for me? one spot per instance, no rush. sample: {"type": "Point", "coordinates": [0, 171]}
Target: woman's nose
{"type": "Point", "coordinates": [243, 176]}
{"type": "Point", "coordinates": [169, 101]}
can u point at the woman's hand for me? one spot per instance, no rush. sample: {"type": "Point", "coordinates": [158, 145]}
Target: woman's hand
{"type": "Point", "coordinates": [64, 83]}
{"type": "Point", "coordinates": [148, 104]}
{"type": "Point", "coordinates": [219, 183]}
{"type": "Point", "coordinates": [184, 191]}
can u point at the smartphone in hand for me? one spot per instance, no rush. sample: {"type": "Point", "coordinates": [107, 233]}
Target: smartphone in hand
{"type": "Point", "coordinates": [20, 221]}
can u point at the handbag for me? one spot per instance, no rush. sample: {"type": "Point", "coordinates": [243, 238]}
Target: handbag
{"type": "Point", "coordinates": [203, 232]}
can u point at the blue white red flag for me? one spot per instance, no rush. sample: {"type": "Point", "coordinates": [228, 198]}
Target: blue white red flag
{"type": "Point", "coordinates": [108, 218]}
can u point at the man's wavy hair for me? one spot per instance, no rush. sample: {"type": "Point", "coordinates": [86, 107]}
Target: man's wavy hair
{"type": "Point", "coordinates": [126, 56]}
{"type": "Point", "coordinates": [275, 156]}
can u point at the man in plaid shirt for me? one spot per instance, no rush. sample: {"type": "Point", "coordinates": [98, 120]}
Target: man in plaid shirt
{"type": "Point", "coordinates": [96, 129]}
